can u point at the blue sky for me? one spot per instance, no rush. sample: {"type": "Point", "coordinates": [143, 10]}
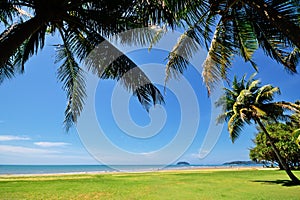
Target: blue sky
{"type": "Point", "coordinates": [32, 112]}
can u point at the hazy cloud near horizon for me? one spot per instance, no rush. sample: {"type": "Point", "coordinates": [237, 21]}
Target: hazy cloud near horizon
{"type": "Point", "coordinates": [24, 150]}
{"type": "Point", "coordinates": [13, 137]}
{"type": "Point", "coordinates": [51, 144]}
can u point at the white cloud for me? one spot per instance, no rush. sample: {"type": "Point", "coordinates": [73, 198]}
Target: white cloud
{"type": "Point", "coordinates": [12, 137]}
{"type": "Point", "coordinates": [23, 150]}
{"type": "Point", "coordinates": [51, 144]}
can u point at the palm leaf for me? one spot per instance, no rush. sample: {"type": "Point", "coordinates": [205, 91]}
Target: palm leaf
{"type": "Point", "coordinates": [266, 93]}
{"type": "Point", "coordinates": [110, 63]}
{"type": "Point", "coordinates": [253, 85]}
{"type": "Point", "coordinates": [289, 106]}
{"type": "Point", "coordinates": [274, 43]}
{"type": "Point", "coordinates": [7, 12]}
{"type": "Point", "coordinates": [31, 46]}
{"type": "Point", "coordinates": [72, 77]}
{"type": "Point", "coordinates": [160, 32]}
{"type": "Point", "coordinates": [140, 36]}
{"type": "Point", "coordinates": [134, 80]}
{"type": "Point", "coordinates": [7, 71]}
{"type": "Point", "coordinates": [235, 126]}
{"type": "Point", "coordinates": [189, 43]}
{"type": "Point", "coordinates": [178, 58]}
{"type": "Point", "coordinates": [245, 35]}
{"type": "Point", "coordinates": [220, 55]}
{"type": "Point", "coordinates": [224, 117]}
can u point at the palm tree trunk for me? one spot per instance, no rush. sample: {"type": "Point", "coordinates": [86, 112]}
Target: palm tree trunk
{"type": "Point", "coordinates": [276, 151]}
{"type": "Point", "coordinates": [288, 28]}
{"type": "Point", "coordinates": [14, 36]}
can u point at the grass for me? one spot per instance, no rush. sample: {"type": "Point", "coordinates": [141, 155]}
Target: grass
{"type": "Point", "coordinates": [197, 184]}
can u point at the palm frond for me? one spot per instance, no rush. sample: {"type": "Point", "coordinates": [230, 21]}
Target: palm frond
{"type": "Point", "coordinates": [245, 35]}
{"type": "Point", "coordinates": [274, 43]}
{"type": "Point", "coordinates": [109, 63]}
{"type": "Point", "coordinates": [266, 93]}
{"type": "Point", "coordinates": [220, 55]}
{"type": "Point", "coordinates": [31, 47]}
{"type": "Point", "coordinates": [72, 77]}
{"type": "Point", "coordinates": [6, 72]}
{"type": "Point", "coordinates": [178, 58]}
{"type": "Point", "coordinates": [160, 32]}
{"type": "Point", "coordinates": [253, 85]}
{"type": "Point", "coordinates": [224, 117]}
{"type": "Point", "coordinates": [235, 126]}
{"type": "Point", "coordinates": [148, 94]}
{"type": "Point", "coordinates": [245, 97]}
{"type": "Point", "coordinates": [197, 35]}
{"type": "Point", "coordinates": [250, 81]}
{"type": "Point", "coordinates": [140, 36]}
{"type": "Point", "coordinates": [157, 12]}
{"type": "Point", "coordinates": [282, 16]}
{"type": "Point", "coordinates": [7, 12]}
{"type": "Point", "coordinates": [289, 106]}
{"type": "Point", "coordinates": [134, 80]}
{"type": "Point", "coordinates": [81, 44]}
{"type": "Point", "coordinates": [238, 85]}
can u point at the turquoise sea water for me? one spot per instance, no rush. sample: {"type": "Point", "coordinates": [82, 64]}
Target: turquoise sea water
{"type": "Point", "coordinates": [54, 169]}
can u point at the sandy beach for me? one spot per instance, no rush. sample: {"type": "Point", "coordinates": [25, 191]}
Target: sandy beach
{"type": "Point", "coordinates": [179, 170]}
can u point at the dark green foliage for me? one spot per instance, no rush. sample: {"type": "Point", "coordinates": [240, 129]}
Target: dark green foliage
{"type": "Point", "coordinates": [284, 141]}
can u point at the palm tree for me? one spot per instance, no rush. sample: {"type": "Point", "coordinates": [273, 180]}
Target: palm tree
{"type": "Point", "coordinates": [249, 102]}
{"type": "Point", "coordinates": [228, 28]}
{"type": "Point", "coordinates": [82, 26]}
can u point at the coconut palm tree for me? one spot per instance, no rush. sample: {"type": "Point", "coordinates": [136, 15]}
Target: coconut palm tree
{"type": "Point", "coordinates": [249, 102]}
{"type": "Point", "coordinates": [228, 28]}
{"type": "Point", "coordinates": [82, 26]}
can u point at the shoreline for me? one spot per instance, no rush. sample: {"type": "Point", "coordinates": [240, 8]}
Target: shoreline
{"type": "Point", "coordinates": [175, 170]}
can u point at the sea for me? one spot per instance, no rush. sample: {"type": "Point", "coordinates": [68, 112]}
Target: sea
{"type": "Point", "coordinates": [68, 169]}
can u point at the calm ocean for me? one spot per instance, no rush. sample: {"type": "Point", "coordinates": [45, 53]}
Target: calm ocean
{"type": "Point", "coordinates": [54, 169]}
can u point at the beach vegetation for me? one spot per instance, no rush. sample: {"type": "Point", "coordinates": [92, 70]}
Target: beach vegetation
{"type": "Point", "coordinates": [250, 102]}
{"type": "Point", "coordinates": [283, 139]}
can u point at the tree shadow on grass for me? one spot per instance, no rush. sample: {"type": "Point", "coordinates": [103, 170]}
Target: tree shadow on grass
{"type": "Point", "coordinates": [286, 183]}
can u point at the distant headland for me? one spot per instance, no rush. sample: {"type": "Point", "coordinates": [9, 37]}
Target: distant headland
{"type": "Point", "coordinates": [238, 162]}
{"type": "Point", "coordinates": [183, 163]}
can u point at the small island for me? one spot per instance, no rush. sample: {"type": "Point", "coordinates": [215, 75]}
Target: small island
{"type": "Point", "coordinates": [183, 163]}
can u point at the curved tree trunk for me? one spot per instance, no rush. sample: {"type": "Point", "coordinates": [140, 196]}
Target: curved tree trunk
{"type": "Point", "coordinates": [276, 151]}
{"type": "Point", "coordinates": [289, 29]}
{"type": "Point", "coordinates": [12, 38]}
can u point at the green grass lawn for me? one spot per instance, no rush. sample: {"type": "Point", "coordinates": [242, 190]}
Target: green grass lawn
{"type": "Point", "coordinates": [251, 184]}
